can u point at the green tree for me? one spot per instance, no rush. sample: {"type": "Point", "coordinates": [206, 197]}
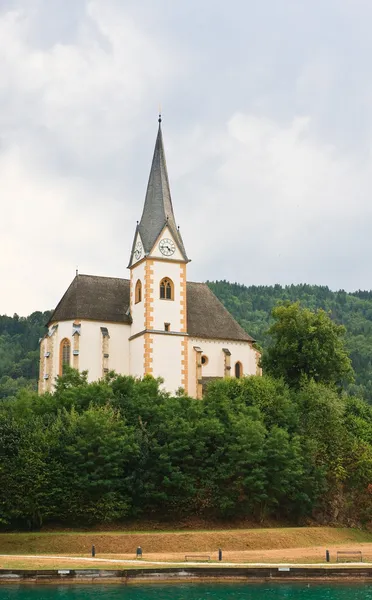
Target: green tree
{"type": "Point", "coordinates": [121, 448]}
{"type": "Point", "coordinates": [92, 465]}
{"type": "Point", "coordinates": [24, 472]}
{"type": "Point", "coordinates": [306, 345]}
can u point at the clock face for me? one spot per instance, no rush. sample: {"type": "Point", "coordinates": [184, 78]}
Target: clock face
{"type": "Point", "coordinates": [138, 251]}
{"type": "Point", "coordinates": [167, 247]}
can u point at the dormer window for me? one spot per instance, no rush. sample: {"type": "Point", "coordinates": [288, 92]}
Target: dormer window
{"type": "Point", "coordinates": [166, 289]}
{"type": "Point", "coordinates": [138, 292]}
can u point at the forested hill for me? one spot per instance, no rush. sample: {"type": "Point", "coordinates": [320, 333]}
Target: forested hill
{"type": "Point", "coordinates": [252, 306]}
{"type": "Point", "coordinates": [19, 351]}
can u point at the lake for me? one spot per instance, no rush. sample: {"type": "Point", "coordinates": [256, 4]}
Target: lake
{"type": "Point", "coordinates": [279, 591]}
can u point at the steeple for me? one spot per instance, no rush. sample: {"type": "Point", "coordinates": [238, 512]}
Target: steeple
{"type": "Point", "coordinates": [158, 209]}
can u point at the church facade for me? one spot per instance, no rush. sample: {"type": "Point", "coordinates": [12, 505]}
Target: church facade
{"type": "Point", "coordinates": [155, 322]}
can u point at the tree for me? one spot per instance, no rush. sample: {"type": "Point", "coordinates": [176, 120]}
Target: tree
{"type": "Point", "coordinates": [306, 345]}
{"type": "Point", "coordinates": [121, 448]}
{"type": "Point", "coordinates": [92, 464]}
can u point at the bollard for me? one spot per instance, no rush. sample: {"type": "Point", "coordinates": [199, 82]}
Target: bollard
{"type": "Point", "coordinates": [93, 551]}
{"type": "Point", "coordinates": [219, 554]}
{"type": "Point", "coordinates": [328, 558]}
{"type": "Point", "coordinates": [139, 552]}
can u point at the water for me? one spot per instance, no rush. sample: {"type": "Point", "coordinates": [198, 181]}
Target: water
{"type": "Point", "coordinates": [279, 591]}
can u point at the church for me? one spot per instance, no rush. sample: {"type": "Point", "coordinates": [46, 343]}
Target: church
{"type": "Point", "coordinates": [154, 323]}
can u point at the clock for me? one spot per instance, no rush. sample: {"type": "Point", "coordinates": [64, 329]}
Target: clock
{"type": "Point", "coordinates": [138, 251]}
{"type": "Point", "coordinates": [167, 247]}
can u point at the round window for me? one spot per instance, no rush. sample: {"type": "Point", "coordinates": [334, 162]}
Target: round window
{"type": "Point", "coordinates": [204, 360]}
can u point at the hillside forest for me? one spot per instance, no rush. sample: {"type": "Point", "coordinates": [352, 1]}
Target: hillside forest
{"type": "Point", "coordinates": [289, 446]}
{"type": "Point", "coordinates": [251, 306]}
{"type": "Point", "coordinates": [294, 445]}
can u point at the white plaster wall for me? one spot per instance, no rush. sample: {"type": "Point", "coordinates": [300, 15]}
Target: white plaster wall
{"type": "Point", "coordinates": [240, 351]}
{"type": "Point", "coordinates": [155, 253]}
{"type": "Point", "coordinates": [167, 311]}
{"type": "Point", "coordinates": [137, 352]}
{"type": "Point", "coordinates": [90, 355]}
{"type": "Point", "coordinates": [192, 366]}
{"type": "Point", "coordinates": [138, 310]}
{"type": "Point", "coordinates": [167, 360]}
{"type": "Point", "coordinates": [118, 346]}
{"type": "Point", "coordinates": [90, 350]}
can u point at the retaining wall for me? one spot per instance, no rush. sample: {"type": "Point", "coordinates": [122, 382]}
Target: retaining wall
{"type": "Point", "coordinates": [127, 576]}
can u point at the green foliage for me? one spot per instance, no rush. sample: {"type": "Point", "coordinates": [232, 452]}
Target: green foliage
{"type": "Point", "coordinates": [19, 353]}
{"type": "Point", "coordinates": [121, 448]}
{"type": "Point", "coordinates": [289, 445]}
{"type": "Point", "coordinates": [306, 345]}
{"type": "Point", "coordinates": [252, 307]}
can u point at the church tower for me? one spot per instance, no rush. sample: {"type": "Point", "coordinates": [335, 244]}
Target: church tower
{"type": "Point", "coordinates": [159, 341]}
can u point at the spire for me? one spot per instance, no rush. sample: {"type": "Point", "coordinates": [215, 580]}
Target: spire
{"type": "Point", "coordinates": [158, 209]}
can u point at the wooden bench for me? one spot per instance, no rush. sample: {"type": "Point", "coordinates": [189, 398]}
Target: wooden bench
{"type": "Point", "coordinates": [204, 557]}
{"type": "Point", "coordinates": [349, 556]}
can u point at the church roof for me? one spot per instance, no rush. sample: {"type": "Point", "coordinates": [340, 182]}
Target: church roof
{"type": "Point", "coordinates": [208, 318]}
{"type": "Point", "coordinates": [107, 299]}
{"type": "Point", "coordinates": [96, 298]}
{"type": "Point", "coordinates": [158, 208]}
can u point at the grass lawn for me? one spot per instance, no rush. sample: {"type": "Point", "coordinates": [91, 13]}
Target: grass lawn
{"type": "Point", "coordinates": [292, 544]}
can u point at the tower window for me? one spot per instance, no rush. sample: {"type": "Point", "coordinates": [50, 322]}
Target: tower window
{"type": "Point", "coordinates": [166, 289]}
{"type": "Point", "coordinates": [238, 369]}
{"type": "Point", "coordinates": [138, 292]}
{"type": "Point", "coordinates": [64, 355]}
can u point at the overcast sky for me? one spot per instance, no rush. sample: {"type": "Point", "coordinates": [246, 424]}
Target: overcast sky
{"type": "Point", "coordinates": [267, 123]}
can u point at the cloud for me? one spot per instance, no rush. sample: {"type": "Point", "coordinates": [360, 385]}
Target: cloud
{"type": "Point", "coordinates": [69, 111]}
{"type": "Point", "coordinates": [283, 206]}
{"type": "Point", "coordinates": [267, 129]}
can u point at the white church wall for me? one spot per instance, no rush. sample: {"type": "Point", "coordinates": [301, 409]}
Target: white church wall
{"type": "Point", "coordinates": [90, 352]}
{"type": "Point", "coordinates": [90, 355]}
{"type": "Point", "coordinates": [245, 354]}
{"type": "Point", "coordinates": [167, 311]}
{"type": "Point", "coordinates": [138, 311]}
{"type": "Point", "coordinates": [118, 347]}
{"type": "Point", "coordinates": [192, 367]}
{"type": "Point", "coordinates": [167, 360]}
{"type": "Point", "coordinates": [215, 365]}
{"type": "Point", "coordinates": [137, 351]}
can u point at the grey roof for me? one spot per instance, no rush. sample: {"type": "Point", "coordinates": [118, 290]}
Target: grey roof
{"type": "Point", "coordinates": [158, 209]}
{"type": "Point", "coordinates": [97, 298]}
{"type": "Point", "coordinates": [107, 299]}
{"type": "Point", "coordinates": [208, 318]}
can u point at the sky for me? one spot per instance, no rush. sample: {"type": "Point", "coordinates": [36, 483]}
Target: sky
{"type": "Point", "coordinates": [267, 125]}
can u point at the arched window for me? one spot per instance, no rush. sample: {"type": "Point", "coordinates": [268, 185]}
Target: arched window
{"type": "Point", "coordinates": [138, 292]}
{"type": "Point", "coordinates": [238, 369]}
{"type": "Point", "coordinates": [64, 355]}
{"type": "Point", "coordinates": [166, 289]}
